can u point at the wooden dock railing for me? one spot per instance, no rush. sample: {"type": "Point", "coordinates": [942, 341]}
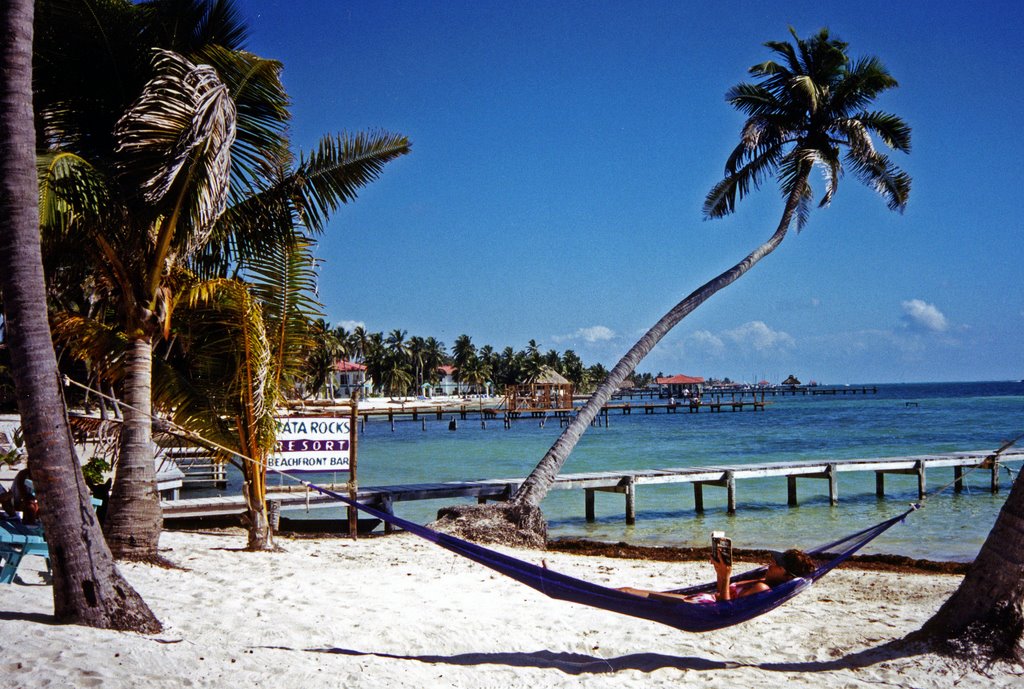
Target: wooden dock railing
{"type": "Point", "coordinates": [627, 482]}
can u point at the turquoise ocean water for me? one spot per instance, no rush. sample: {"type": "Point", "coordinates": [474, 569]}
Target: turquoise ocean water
{"type": "Point", "coordinates": [898, 420]}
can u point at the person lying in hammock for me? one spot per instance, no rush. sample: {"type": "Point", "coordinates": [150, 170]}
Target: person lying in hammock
{"type": "Point", "coordinates": [784, 566]}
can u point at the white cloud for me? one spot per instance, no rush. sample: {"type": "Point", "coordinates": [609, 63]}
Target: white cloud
{"type": "Point", "coordinates": [352, 325]}
{"type": "Point", "coordinates": [704, 341]}
{"type": "Point", "coordinates": [920, 315]}
{"type": "Point", "coordinates": [595, 333]}
{"type": "Point", "coordinates": [758, 335]}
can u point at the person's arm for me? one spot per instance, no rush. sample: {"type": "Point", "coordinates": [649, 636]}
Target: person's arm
{"type": "Point", "coordinates": [723, 572]}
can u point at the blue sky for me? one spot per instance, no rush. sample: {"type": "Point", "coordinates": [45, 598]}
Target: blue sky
{"type": "Point", "coordinates": [562, 151]}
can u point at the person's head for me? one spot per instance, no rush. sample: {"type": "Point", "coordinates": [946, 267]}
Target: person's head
{"type": "Point", "coordinates": [787, 565]}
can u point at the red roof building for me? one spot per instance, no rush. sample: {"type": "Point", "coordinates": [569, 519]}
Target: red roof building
{"type": "Point", "coordinates": [679, 380]}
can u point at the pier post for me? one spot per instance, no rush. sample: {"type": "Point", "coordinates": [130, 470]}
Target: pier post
{"type": "Point", "coordinates": [698, 497]}
{"type": "Point", "coordinates": [791, 490]}
{"type": "Point", "coordinates": [833, 485]}
{"type": "Point", "coordinates": [730, 490]}
{"type": "Point", "coordinates": [630, 502]}
{"type": "Point", "coordinates": [588, 504]}
{"type": "Point", "coordinates": [958, 479]}
{"type": "Point", "coordinates": [386, 504]}
{"type": "Point", "coordinates": [880, 484]}
{"type": "Point", "coordinates": [274, 514]}
{"type": "Point", "coordinates": [995, 477]}
{"type": "Point", "coordinates": [920, 479]}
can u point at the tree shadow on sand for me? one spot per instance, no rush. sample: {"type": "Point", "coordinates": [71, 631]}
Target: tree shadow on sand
{"type": "Point", "coordinates": [581, 664]}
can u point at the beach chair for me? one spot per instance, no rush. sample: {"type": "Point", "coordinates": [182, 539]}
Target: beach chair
{"type": "Point", "coordinates": [18, 539]}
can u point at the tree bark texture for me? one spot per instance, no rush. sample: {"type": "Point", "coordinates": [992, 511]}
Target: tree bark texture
{"type": "Point", "coordinates": [87, 587]}
{"type": "Point", "coordinates": [985, 615]}
{"type": "Point", "coordinates": [134, 518]}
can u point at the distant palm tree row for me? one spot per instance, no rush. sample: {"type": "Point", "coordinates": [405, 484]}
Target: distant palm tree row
{"type": "Point", "coordinates": [398, 364]}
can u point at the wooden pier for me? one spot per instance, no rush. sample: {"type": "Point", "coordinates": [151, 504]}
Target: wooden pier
{"type": "Point", "coordinates": [626, 483]}
{"type": "Point", "coordinates": [465, 412]}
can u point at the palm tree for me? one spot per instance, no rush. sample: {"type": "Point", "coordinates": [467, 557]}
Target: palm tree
{"type": "Point", "coordinates": [87, 587]}
{"type": "Point", "coordinates": [374, 358]}
{"type": "Point", "coordinates": [189, 212]}
{"type": "Point", "coordinates": [145, 194]}
{"type": "Point", "coordinates": [434, 356]}
{"type": "Point", "coordinates": [462, 351]}
{"type": "Point", "coordinates": [476, 372]}
{"type": "Point", "coordinates": [417, 356]}
{"type": "Point", "coordinates": [395, 377]}
{"type": "Point", "coordinates": [573, 368]}
{"type": "Point", "coordinates": [533, 364]}
{"type": "Point", "coordinates": [326, 349]}
{"type": "Point", "coordinates": [360, 339]}
{"type": "Point", "coordinates": [397, 345]}
{"type": "Point", "coordinates": [807, 110]}
{"type": "Point", "coordinates": [985, 615]}
{"type": "Point", "coordinates": [241, 344]}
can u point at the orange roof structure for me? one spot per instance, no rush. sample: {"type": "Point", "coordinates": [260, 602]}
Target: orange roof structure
{"type": "Point", "coordinates": [679, 380]}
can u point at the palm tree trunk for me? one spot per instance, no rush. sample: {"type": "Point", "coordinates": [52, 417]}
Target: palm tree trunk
{"type": "Point", "coordinates": [540, 480]}
{"type": "Point", "coordinates": [985, 615]}
{"type": "Point", "coordinates": [87, 588]}
{"type": "Point", "coordinates": [260, 536]}
{"type": "Point", "coordinates": [134, 518]}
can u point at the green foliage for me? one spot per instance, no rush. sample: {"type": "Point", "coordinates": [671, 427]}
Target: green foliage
{"type": "Point", "coordinates": [804, 112]}
{"type": "Point", "coordinates": [95, 471]}
{"type": "Point", "coordinates": [16, 453]}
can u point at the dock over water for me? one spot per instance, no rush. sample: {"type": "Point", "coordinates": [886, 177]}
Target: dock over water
{"type": "Point", "coordinates": [627, 482]}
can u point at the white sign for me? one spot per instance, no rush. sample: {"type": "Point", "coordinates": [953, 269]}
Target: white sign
{"type": "Point", "coordinates": [311, 444]}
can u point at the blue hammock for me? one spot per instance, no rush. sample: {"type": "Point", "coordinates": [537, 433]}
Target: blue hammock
{"type": "Point", "coordinates": [689, 617]}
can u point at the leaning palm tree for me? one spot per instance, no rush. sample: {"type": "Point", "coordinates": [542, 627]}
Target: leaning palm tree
{"type": "Point", "coordinates": [87, 587]}
{"type": "Point", "coordinates": [807, 110]}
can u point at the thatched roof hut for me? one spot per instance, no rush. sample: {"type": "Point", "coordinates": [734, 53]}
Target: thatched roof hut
{"type": "Point", "coordinates": [550, 390]}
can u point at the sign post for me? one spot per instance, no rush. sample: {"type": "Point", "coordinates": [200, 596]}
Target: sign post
{"type": "Point", "coordinates": [353, 487]}
{"type": "Point", "coordinates": [322, 444]}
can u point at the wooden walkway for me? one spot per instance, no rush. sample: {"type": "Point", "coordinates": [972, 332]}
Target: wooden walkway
{"type": "Point", "coordinates": [465, 412]}
{"type": "Point", "coordinates": [627, 482]}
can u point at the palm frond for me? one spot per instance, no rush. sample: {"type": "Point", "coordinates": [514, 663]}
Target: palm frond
{"type": "Point", "coordinates": [71, 190]}
{"type": "Point", "coordinates": [785, 50]}
{"type": "Point", "coordinates": [262, 114]}
{"type": "Point", "coordinates": [283, 282]}
{"type": "Point", "coordinates": [753, 99]}
{"type": "Point", "coordinates": [892, 129]}
{"type": "Point", "coordinates": [805, 104]}
{"type": "Point", "coordinates": [228, 353]}
{"type": "Point", "coordinates": [806, 91]}
{"type": "Point", "coordinates": [185, 26]}
{"type": "Point", "coordinates": [91, 341]}
{"type": "Point", "coordinates": [878, 172]}
{"type": "Point", "coordinates": [722, 198]}
{"type": "Point", "coordinates": [216, 381]}
{"type": "Point", "coordinates": [793, 172]}
{"type": "Point", "coordinates": [339, 167]}
{"type": "Point", "coordinates": [828, 160]}
{"type": "Point", "coordinates": [175, 140]}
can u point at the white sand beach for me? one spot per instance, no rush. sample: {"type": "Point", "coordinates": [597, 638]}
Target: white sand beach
{"type": "Point", "coordinates": [396, 611]}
